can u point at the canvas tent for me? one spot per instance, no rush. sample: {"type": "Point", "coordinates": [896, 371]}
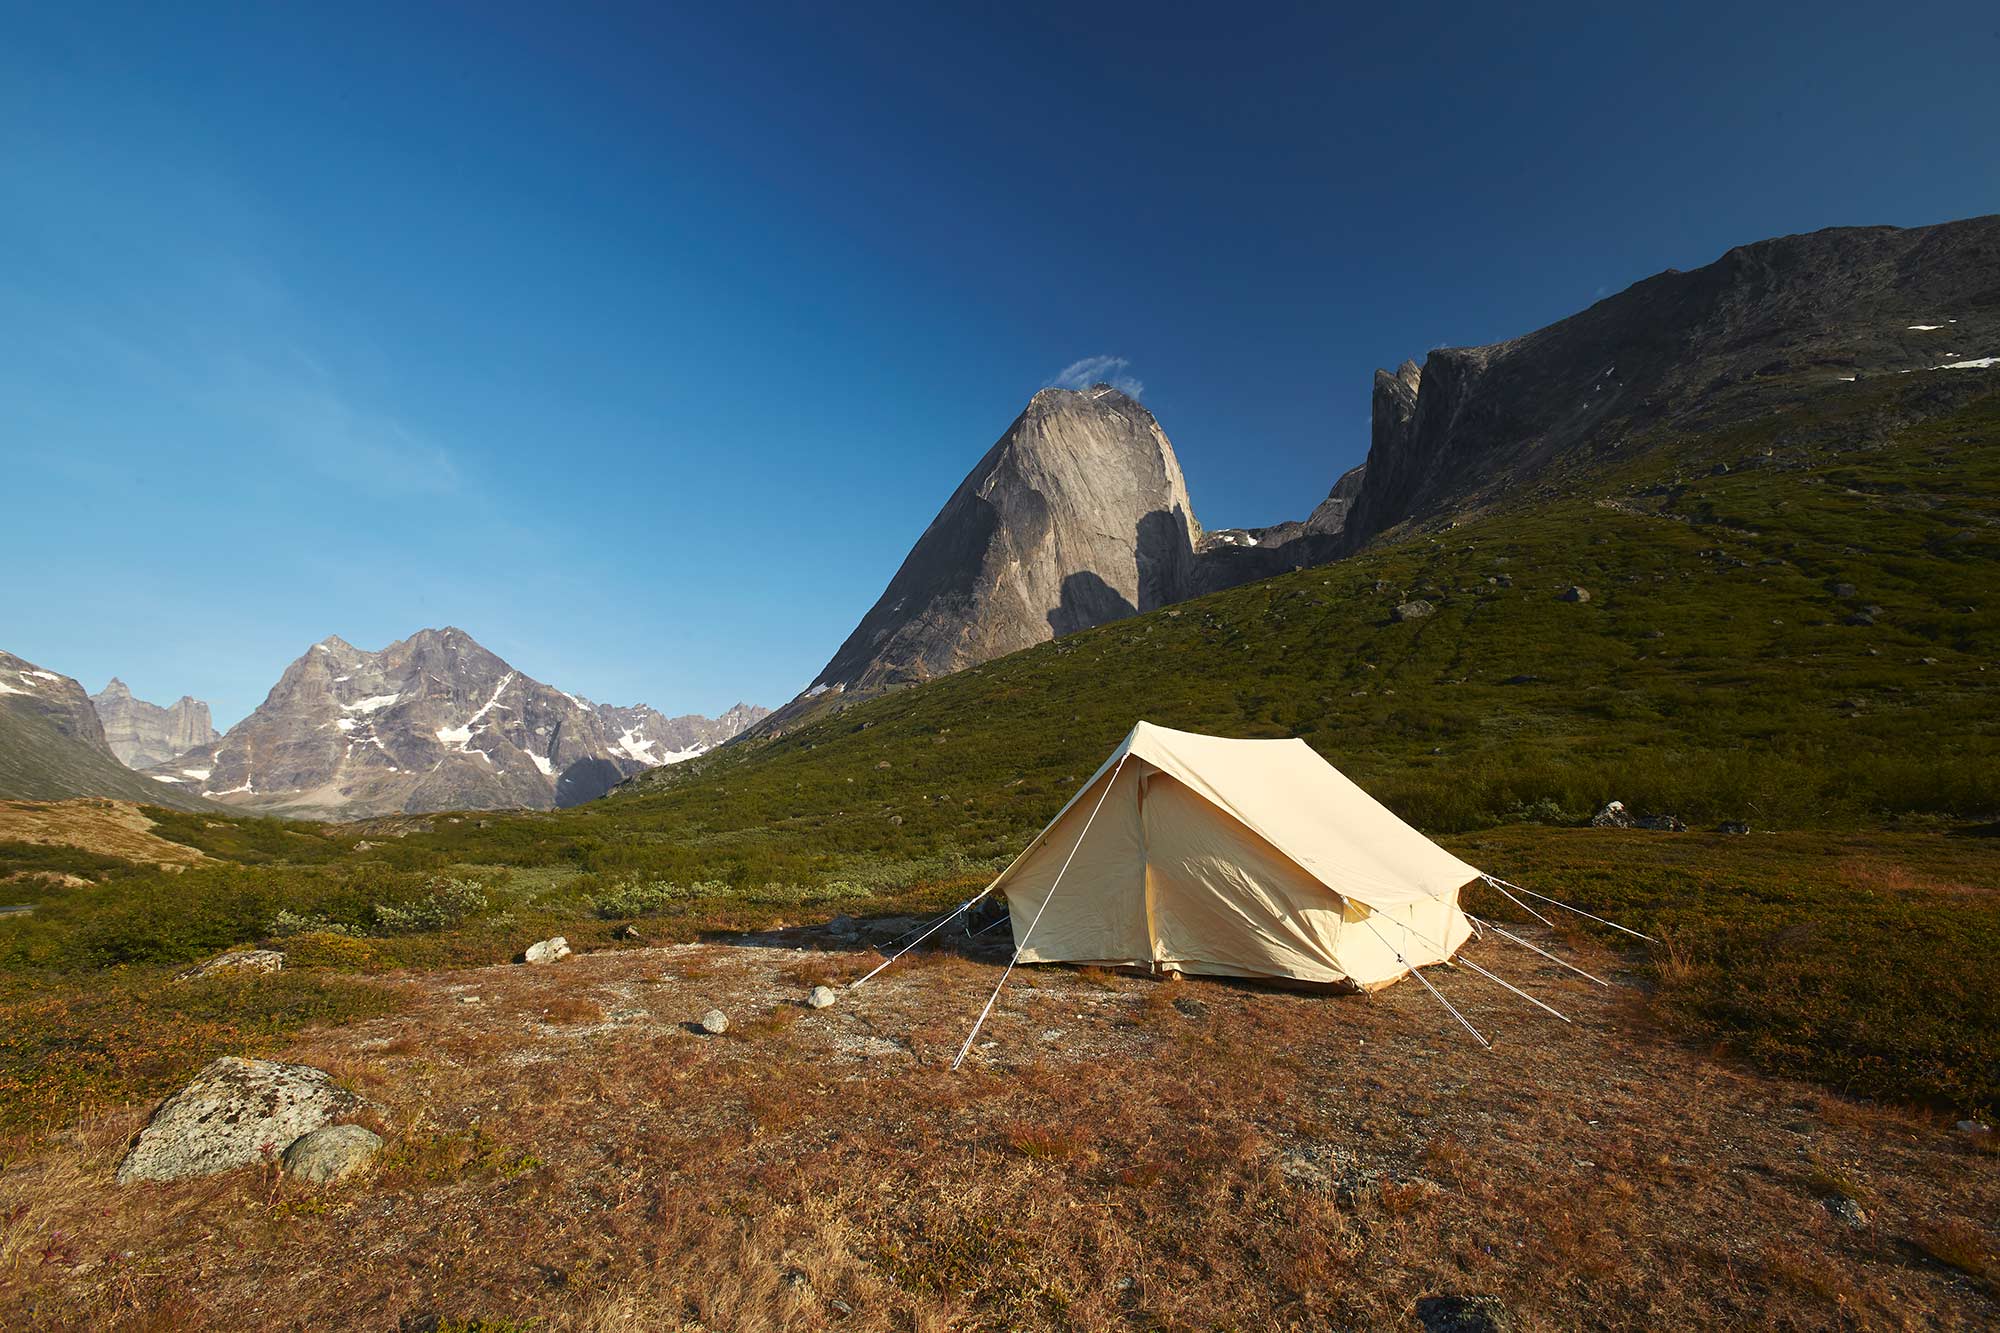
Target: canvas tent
{"type": "Point", "coordinates": [1245, 858]}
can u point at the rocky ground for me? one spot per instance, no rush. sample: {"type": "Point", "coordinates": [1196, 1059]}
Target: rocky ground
{"type": "Point", "coordinates": [564, 1144]}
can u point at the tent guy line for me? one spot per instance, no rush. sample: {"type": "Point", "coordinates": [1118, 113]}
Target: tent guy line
{"type": "Point", "coordinates": [1241, 858]}
{"type": "Point", "coordinates": [1022, 943]}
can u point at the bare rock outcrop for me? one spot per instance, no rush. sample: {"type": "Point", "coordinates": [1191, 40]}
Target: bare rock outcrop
{"type": "Point", "coordinates": [143, 734]}
{"type": "Point", "coordinates": [235, 1113]}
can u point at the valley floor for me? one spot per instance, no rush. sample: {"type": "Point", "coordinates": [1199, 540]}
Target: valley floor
{"type": "Point", "coordinates": [566, 1150]}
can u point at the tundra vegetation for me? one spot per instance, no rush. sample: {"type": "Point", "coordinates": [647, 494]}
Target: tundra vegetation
{"type": "Point", "coordinates": [1791, 626]}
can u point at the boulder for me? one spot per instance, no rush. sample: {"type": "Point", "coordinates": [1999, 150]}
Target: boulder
{"type": "Point", "coordinates": [333, 1152]}
{"type": "Point", "coordinates": [235, 1113]}
{"type": "Point", "coordinates": [822, 997]}
{"type": "Point", "coordinates": [1414, 610]}
{"type": "Point", "coordinates": [237, 962]}
{"type": "Point", "coordinates": [1732, 826]}
{"type": "Point", "coordinates": [550, 950]}
{"type": "Point", "coordinates": [715, 1022]}
{"type": "Point", "coordinates": [1576, 594]}
{"type": "Point", "coordinates": [628, 931]}
{"type": "Point", "coordinates": [1613, 815]}
{"type": "Point", "coordinates": [843, 927]}
{"type": "Point", "coordinates": [1846, 1210]}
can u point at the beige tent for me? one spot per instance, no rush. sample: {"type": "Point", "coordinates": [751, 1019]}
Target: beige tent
{"type": "Point", "coordinates": [1238, 858]}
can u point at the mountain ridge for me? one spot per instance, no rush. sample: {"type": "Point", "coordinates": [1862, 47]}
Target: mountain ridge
{"type": "Point", "coordinates": [434, 721]}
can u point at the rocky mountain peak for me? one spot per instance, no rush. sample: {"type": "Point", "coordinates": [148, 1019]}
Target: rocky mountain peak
{"type": "Point", "coordinates": [1077, 515]}
{"type": "Point", "coordinates": [143, 734]}
{"type": "Point", "coordinates": [435, 721]}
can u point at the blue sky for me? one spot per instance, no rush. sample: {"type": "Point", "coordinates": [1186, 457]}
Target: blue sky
{"type": "Point", "coordinates": [642, 344]}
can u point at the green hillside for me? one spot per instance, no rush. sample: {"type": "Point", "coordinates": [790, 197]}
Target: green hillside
{"type": "Point", "coordinates": [39, 763]}
{"type": "Point", "coordinates": [1790, 624]}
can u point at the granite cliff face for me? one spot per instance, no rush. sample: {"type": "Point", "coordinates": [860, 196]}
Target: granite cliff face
{"type": "Point", "coordinates": [1077, 515]}
{"type": "Point", "coordinates": [52, 744]}
{"type": "Point", "coordinates": [1763, 328]}
{"type": "Point", "coordinates": [434, 722]}
{"type": "Point", "coordinates": [143, 734]}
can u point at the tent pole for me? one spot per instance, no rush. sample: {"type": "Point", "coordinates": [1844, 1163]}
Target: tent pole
{"type": "Point", "coordinates": [1109, 783]}
{"type": "Point", "coordinates": [1368, 922]}
{"type": "Point", "coordinates": [1507, 935]}
{"type": "Point", "coordinates": [1566, 907]}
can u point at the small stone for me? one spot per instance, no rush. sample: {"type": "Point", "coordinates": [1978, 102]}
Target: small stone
{"type": "Point", "coordinates": [1576, 594]}
{"type": "Point", "coordinates": [1190, 1007]}
{"type": "Point", "coordinates": [843, 927]}
{"type": "Point", "coordinates": [715, 1022]}
{"type": "Point", "coordinates": [822, 997]}
{"type": "Point", "coordinates": [1415, 610]}
{"type": "Point", "coordinates": [628, 931]}
{"type": "Point", "coordinates": [1846, 591]}
{"type": "Point", "coordinates": [241, 962]}
{"type": "Point", "coordinates": [1972, 1127]}
{"type": "Point", "coordinates": [1847, 1210]}
{"type": "Point", "coordinates": [1860, 619]}
{"type": "Point", "coordinates": [1732, 826]}
{"type": "Point", "coordinates": [550, 950]}
{"type": "Point", "coordinates": [331, 1153]}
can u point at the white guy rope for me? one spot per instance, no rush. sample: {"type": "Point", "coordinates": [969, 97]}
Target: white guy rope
{"type": "Point", "coordinates": [1566, 907]}
{"type": "Point", "coordinates": [1512, 987]}
{"type": "Point", "coordinates": [1368, 922]}
{"type": "Point", "coordinates": [935, 927]}
{"type": "Point", "coordinates": [1494, 884]}
{"type": "Point", "coordinates": [1507, 935]}
{"type": "Point", "coordinates": [1046, 899]}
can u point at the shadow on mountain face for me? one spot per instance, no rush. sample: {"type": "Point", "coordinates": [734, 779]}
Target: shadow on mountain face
{"type": "Point", "coordinates": [1087, 600]}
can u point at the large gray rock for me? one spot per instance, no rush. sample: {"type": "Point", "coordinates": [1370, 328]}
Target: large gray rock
{"type": "Point", "coordinates": [331, 1153]}
{"type": "Point", "coordinates": [237, 962]}
{"type": "Point", "coordinates": [432, 722]}
{"type": "Point", "coordinates": [1732, 341]}
{"type": "Point", "coordinates": [235, 1113]}
{"type": "Point", "coordinates": [551, 950]}
{"type": "Point", "coordinates": [143, 734]}
{"type": "Point", "coordinates": [1077, 515]}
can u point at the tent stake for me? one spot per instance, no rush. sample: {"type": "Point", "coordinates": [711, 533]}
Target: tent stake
{"type": "Point", "coordinates": [1366, 921]}
{"type": "Point", "coordinates": [1109, 783]}
{"type": "Point", "coordinates": [1508, 935]}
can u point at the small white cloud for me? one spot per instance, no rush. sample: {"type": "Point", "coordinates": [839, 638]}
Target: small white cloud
{"type": "Point", "coordinates": [1099, 370]}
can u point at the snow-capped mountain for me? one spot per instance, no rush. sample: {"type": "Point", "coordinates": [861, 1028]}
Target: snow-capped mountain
{"type": "Point", "coordinates": [434, 722]}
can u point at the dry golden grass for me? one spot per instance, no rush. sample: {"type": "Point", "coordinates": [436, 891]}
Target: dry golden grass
{"type": "Point", "coordinates": [1115, 1159]}
{"type": "Point", "coordinates": [109, 828]}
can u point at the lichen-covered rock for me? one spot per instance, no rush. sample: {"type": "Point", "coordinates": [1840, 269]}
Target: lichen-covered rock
{"type": "Point", "coordinates": [235, 1113]}
{"type": "Point", "coordinates": [822, 997]}
{"type": "Point", "coordinates": [715, 1022]}
{"type": "Point", "coordinates": [333, 1152]}
{"type": "Point", "coordinates": [1414, 610]}
{"type": "Point", "coordinates": [238, 961]}
{"type": "Point", "coordinates": [551, 950]}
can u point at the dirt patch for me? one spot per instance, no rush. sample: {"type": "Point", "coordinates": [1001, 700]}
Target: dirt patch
{"type": "Point", "coordinates": [566, 1146]}
{"type": "Point", "coordinates": [109, 828]}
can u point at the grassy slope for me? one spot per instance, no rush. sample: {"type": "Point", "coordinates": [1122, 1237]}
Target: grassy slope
{"type": "Point", "coordinates": [1711, 674]}
{"type": "Point", "coordinates": [39, 763]}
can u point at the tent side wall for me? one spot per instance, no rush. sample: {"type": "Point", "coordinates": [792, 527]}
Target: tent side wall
{"type": "Point", "coordinates": [1099, 915]}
